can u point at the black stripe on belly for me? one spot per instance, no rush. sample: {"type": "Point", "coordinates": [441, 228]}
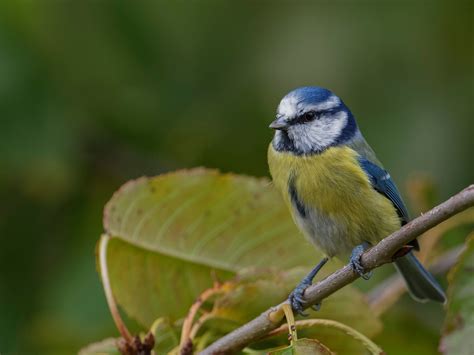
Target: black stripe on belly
{"type": "Point", "coordinates": [294, 197]}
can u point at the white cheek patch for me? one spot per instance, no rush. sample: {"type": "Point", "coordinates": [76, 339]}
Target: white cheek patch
{"type": "Point", "coordinates": [320, 134]}
{"type": "Point", "coordinates": [302, 138]}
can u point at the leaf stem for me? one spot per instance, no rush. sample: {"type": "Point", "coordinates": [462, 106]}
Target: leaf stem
{"type": "Point", "coordinates": [186, 332]}
{"type": "Point", "coordinates": [104, 274]}
{"type": "Point", "coordinates": [201, 320]}
{"type": "Point", "coordinates": [290, 320]}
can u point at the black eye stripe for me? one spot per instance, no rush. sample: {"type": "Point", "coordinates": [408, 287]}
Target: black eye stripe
{"type": "Point", "coordinates": [306, 117]}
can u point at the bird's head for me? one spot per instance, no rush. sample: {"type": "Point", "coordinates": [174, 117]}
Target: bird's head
{"type": "Point", "coordinates": [310, 120]}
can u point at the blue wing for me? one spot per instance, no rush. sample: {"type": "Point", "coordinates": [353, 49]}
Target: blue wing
{"type": "Point", "coordinates": [383, 183]}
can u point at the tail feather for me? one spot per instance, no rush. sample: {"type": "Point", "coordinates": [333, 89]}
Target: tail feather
{"type": "Point", "coordinates": [421, 284]}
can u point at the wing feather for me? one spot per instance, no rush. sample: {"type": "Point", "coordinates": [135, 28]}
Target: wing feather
{"type": "Point", "coordinates": [380, 179]}
{"type": "Point", "coordinates": [383, 183]}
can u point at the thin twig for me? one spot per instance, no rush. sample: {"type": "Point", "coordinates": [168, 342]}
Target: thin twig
{"type": "Point", "coordinates": [104, 273]}
{"type": "Point", "coordinates": [188, 321]}
{"type": "Point", "coordinates": [380, 254]}
{"type": "Point", "coordinates": [197, 326]}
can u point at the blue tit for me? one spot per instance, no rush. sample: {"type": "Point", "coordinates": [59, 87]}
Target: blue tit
{"type": "Point", "coordinates": [338, 192]}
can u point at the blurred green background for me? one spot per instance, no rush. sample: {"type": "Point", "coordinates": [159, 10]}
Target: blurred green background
{"type": "Point", "coordinates": [93, 93]}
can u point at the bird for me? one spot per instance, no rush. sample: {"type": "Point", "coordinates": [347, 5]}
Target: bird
{"type": "Point", "coordinates": [339, 194]}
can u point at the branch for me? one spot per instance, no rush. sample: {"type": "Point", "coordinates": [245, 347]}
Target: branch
{"type": "Point", "coordinates": [390, 290]}
{"type": "Point", "coordinates": [378, 255]}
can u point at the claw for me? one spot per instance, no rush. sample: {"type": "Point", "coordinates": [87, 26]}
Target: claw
{"type": "Point", "coordinates": [355, 261]}
{"type": "Point", "coordinates": [296, 297]}
{"type": "Point", "coordinates": [316, 307]}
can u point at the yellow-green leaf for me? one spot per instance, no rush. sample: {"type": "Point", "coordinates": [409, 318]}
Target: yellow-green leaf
{"type": "Point", "coordinates": [221, 221]}
{"type": "Point", "coordinates": [302, 347]}
{"type": "Point", "coordinates": [171, 232]}
{"type": "Point", "coordinates": [149, 285]}
{"type": "Point", "coordinates": [105, 347]}
{"type": "Point", "coordinates": [166, 335]}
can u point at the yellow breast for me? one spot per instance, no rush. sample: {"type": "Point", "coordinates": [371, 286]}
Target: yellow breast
{"type": "Point", "coordinates": [343, 208]}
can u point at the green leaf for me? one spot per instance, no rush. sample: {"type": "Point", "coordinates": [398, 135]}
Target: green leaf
{"type": "Point", "coordinates": [254, 291]}
{"type": "Point", "coordinates": [459, 325]}
{"type": "Point", "coordinates": [148, 285]}
{"type": "Point", "coordinates": [169, 233]}
{"type": "Point", "coordinates": [105, 347]}
{"type": "Point", "coordinates": [340, 342]}
{"type": "Point", "coordinates": [166, 335]}
{"type": "Point", "coordinates": [221, 221]}
{"type": "Point", "coordinates": [292, 328]}
{"type": "Point", "coordinates": [303, 347]}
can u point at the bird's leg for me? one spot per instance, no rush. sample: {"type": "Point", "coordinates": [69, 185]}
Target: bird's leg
{"type": "Point", "coordinates": [355, 260]}
{"type": "Point", "coordinates": [296, 296]}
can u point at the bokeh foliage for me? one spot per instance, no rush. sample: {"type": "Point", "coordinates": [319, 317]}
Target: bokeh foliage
{"type": "Point", "coordinates": [94, 93]}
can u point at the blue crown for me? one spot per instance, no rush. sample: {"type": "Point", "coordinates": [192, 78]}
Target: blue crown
{"type": "Point", "coordinates": [310, 94]}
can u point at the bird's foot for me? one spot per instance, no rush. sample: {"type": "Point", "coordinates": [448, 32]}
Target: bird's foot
{"type": "Point", "coordinates": [296, 297]}
{"type": "Point", "coordinates": [296, 300]}
{"type": "Point", "coordinates": [356, 262]}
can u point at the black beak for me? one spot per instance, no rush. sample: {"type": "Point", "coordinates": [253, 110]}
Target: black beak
{"type": "Point", "coordinates": [279, 123]}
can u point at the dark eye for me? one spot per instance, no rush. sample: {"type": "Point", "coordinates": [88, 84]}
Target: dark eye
{"type": "Point", "coordinates": [309, 116]}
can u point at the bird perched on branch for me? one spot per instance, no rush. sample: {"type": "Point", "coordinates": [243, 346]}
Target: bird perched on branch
{"type": "Point", "coordinates": [338, 193]}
